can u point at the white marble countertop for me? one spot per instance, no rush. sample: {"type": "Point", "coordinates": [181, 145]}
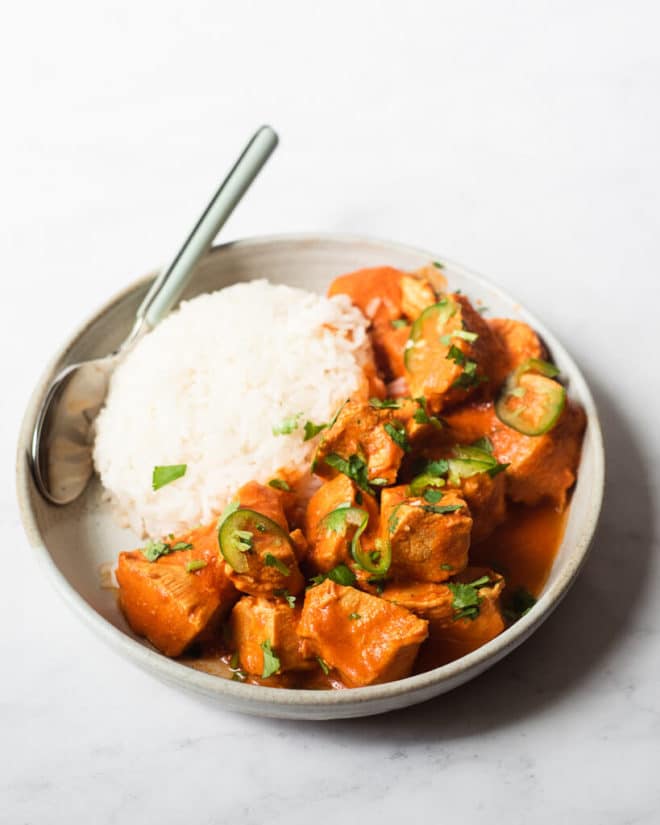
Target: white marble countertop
{"type": "Point", "coordinates": [518, 138]}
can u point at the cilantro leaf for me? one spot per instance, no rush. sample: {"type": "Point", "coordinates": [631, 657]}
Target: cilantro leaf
{"type": "Point", "coordinates": [519, 604]}
{"type": "Point", "coordinates": [287, 425]}
{"type": "Point", "coordinates": [397, 432]}
{"type": "Point", "coordinates": [432, 495]}
{"type": "Point", "coordinates": [355, 468]}
{"type": "Point", "coordinates": [195, 564]}
{"type": "Point", "coordinates": [279, 484]}
{"type": "Point", "coordinates": [354, 616]}
{"type": "Point", "coordinates": [271, 662]}
{"type": "Point", "coordinates": [385, 403]}
{"type": "Point", "coordinates": [312, 429]}
{"type": "Point", "coordinates": [166, 474]}
{"type": "Point", "coordinates": [398, 323]}
{"type": "Point", "coordinates": [341, 574]}
{"type": "Point", "coordinates": [284, 593]}
{"type": "Point", "coordinates": [466, 598]}
{"type": "Point", "coordinates": [272, 561]}
{"type": "Point", "coordinates": [155, 549]}
{"type": "Point", "coordinates": [440, 509]}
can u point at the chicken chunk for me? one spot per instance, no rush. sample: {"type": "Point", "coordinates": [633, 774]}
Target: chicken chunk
{"type": "Point", "coordinates": [543, 466]}
{"type": "Point", "coordinates": [329, 546]}
{"type": "Point", "coordinates": [453, 627]}
{"type": "Point", "coordinates": [258, 623]}
{"type": "Point", "coordinates": [429, 541]}
{"type": "Point", "coordinates": [517, 342]}
{"type": "Point", "coordinates": [366, 639]}
{"type": "Point", "coordinates": [360, 434]}
{"type": "Point", "coordinates": [450, 353]}
{"type": "Point", "coordinates": [485, 496]}
{"type": "Point", "coordinates": [175, 598]}
{"type": "Point", "coordinates": [268, 554]}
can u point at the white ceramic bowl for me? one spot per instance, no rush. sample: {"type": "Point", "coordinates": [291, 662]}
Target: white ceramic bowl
{"type": "Point", "coordinates": [73, 543]}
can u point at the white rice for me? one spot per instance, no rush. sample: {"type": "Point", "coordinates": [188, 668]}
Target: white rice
{"type": "Point", "coordinates": [206, 387]}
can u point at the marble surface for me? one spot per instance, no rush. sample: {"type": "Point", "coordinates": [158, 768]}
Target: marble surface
{"type": "Point", "coordinates": [518, 138]}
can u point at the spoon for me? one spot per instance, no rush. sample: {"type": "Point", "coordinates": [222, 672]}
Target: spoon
{"type": "Point", "coordinates": [61, 449]}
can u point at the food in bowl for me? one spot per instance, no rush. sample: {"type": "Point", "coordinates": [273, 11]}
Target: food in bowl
{"type": "Point", "coordinates": [394, 470]}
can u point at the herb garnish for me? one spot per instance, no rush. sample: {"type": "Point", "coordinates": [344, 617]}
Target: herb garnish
{"type": "Point", "coordinates": [325, 667]}
{"type": "Point", "coordinates": [438, 265]}
{"type": "Point", "coordinates": [284, 593]}
{"type": "Point", "coordinates": [312, 429]}
{"type": "Point", "coordinates": [235, 667]}
{"type": "Point", "coordinates": [519, 603]}
{"type": "Point", "coordinates": [385, 403]}
{"type": "Point", "coordinates": [195, 564]}
{"type": "Point", "coordinates": [398, 323]}
{"type": "Point", "coordinates": [468, 378]}
{"type": "Point", "coordinates": [287, 425]}
{"type": "Point", "coordinates": [341, 574]}
{"type": "Point", "coordinates": [242, 540]}
{"type": "Point", "coordinates": [271, 662]}
{"type": "Point", "coordinates": [272, 561]}
{"type": "Point", "coordinates": [421, 415]}
{"type": "Point", "coordinates": [355, 468]}
{"type": "Point", "coordinates": [354, 616]}
{"type": "Point", "coordinates": [440, 509]}
{"type": "Point", "coordinates": [166, 474]}
{"type": "Point", "coordinates": [155, 549]}
{"type": "Point", "coordinates": [397, 432]}
{"type": "Point", "coordinates": [432, 495]}
{"type": "Point", "coordinates": [466, 599]}
{"type": "Point", "coordinates": [279, 484]}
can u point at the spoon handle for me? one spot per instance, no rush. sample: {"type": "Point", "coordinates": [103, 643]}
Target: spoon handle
{"type": "Point", "coordinates": [168, 286]}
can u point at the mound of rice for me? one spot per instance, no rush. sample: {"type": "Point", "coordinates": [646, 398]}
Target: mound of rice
{"type": "Point", "coordinates": [207, 386]}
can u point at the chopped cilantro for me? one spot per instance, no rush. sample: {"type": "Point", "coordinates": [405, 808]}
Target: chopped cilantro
{"type": "Point", "coordinates": [195, 564]}
{"type": "Point", "coordinates": [440, 509]}
{"type": "Point", "coordinates": [286, 425]}
{"type": "Point", "coordinates": [398, 323]}
{"type": "Point", "coordinates": [354, 616]}
{"type": "Point", "coordinates": [242, 540]}
{"type": "Point", "coordinates": [166, 474]}
{"type": "Point", "coordinates": [235, 667]}
{"type": "Point", "coordinates": [341, 574]}
{"type": "Point", "coordinates": [385, 403]}
{"type": "Point", "coordinates": [421, 415]}
{"type": "Point", "coordinates": [284, 593]}
{"type": "Point", "coordinates": [446, 567]}
{"type": "Point", "coordinates": [272, 561]}
{"type": "Point", "coordinates": [279, 484]}
{"type": "Point", "coordinates": [271, 662]}
{"type": "Point", "coordinates": [397, 432]}
{"type": "Point", "coordinates": [432, 496]}
{"type": "Point", "coordinates": [440, 467]}
{"type": "Point", "coordinates": [378, 583]}
{"type": "Point", "coordinates": [519, 604]}
{"type": "Point", "coordinates": [182, 545]}
{"type": "Point", "coordinates": [155, 549]}
{"type": "Point", "coordinates": [312, 429]}
{"type": "Point", "coordinates": [466, 598]}
{"type": "Point", "coordinates": [354, 467]}
{"type": "Point", "coordinates": [325, 667]}
{"type": "Point", "coordinates": [438, 265]}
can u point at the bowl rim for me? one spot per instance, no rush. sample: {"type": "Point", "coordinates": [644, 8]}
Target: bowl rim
{"type": "Point", "coordinates": [252, 696]}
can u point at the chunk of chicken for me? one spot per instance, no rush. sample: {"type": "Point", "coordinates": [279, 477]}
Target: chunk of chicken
{"type": "Point", "coordinates": [330, 546]}
{"type": "Point", "coordinates": [361, 431]}
{"type": "Point", "coordinates": [451, 353]}
{"type": "Point", "coordinates": [366, 639]}
{"type": "Point", "coordinates": [258, 622]}
{"type": "Point", "coordinates": [429, 541]}
{"type": "Point", "coordinates": [440, 605]}
{"type": "Point", "coordinates": [542, 466]}
{"type": "Point", "coordinates": [272, 560]}
{"type": "Point", "coordinates": [517, 342]}
{"type": "Point", "coordinates": [486, 498]}
{"type": "Point", "coordinates": [174, 599]}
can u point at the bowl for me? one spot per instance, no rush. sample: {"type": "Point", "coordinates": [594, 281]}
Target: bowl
{"type": "Point", "coordinates": [76, 543]}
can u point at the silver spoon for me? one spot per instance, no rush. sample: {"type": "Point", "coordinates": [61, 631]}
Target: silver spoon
{"type": "Point", "coordinates": [61, 449]}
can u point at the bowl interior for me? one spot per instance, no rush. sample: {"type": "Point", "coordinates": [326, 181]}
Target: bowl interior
{"type": "Point", "coordinates": [81, 541]}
